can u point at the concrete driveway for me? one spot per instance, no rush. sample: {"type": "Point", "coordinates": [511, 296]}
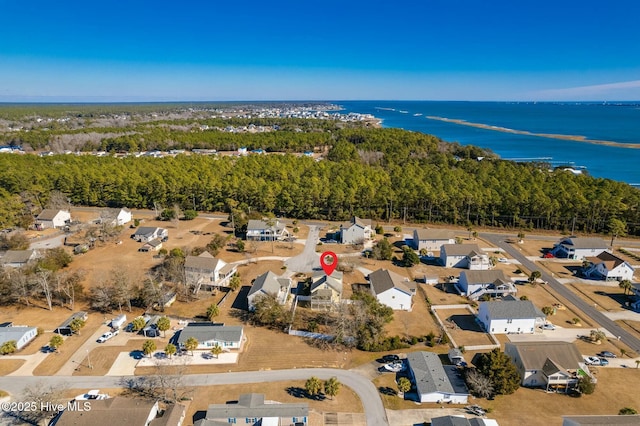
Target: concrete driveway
{"type": "Point", "coordinates": [308, 260]}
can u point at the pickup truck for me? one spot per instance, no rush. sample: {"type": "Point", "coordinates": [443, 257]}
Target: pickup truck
{"type": "Point", "coordinates": [108, 335]}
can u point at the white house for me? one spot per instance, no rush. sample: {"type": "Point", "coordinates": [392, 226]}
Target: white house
{"type": "Point", "coordinates": [208, 271]}
{"type": "Point", "coordinates": [391, 289]}
{"type": "Point", "coordinates": [551, 365]}
{"type": "Point", "coordinates": [608, 267]}
{"type": "Point", "coordinates": [144, 234]}
{"type": "Point", "coordinates": [435, 382]}
{"type": "Point", "coordinates": [432, 239]}
{"type": "Point", "coordinates": [269, 284]}
{"type": "Point", "coordinates": [124, 216]}
{"type": "Point", "coordinates": [510, 316]}
{"type": "Point", "coordinates": [260, 230]}
{"type": "Point", "coordinates": [209, 335]}
{"type": "Point", "coordinates": [21, 334]}
{"type": "Point", "coordinates": [326, 290]}
{"type": "Point", "coordinates": [469, 256]}
{"type": "Point", "coordinates": [356, 231]}
{"type": "Point", "coordinates": [474, 284]}
{"type": "Point", "coordinates": [252, 409]}
{"type": "Point", "coordinates": [50, 218]}
{"type": "Point", "coordinates": [18, 258]}
{"type": "Point", "coordinates": [579, 248]}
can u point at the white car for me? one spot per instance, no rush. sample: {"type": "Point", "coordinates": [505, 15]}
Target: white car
{"type": "Point", "coordinates": [502, 260]}
{"type": "Point", "coordinates": [106, 336]}
{"type": "Point", "coordinates": [592, 360]}
{"type": "Point", "coordinates": [548, 326]}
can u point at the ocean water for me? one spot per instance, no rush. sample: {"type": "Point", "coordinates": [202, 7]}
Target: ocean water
{"type": "Point", "coordinates": [616, 123]}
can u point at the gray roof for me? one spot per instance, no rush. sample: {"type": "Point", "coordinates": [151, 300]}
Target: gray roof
{"type": "Point", "coordinates": [362, 223]}
{"type": "Point", "coordinates": [461, 249]}
{"type": "Point", "coordinates": [13, 333]}
{"type": "Point", "coordinates": [456, 421]}
{"type": "Point", "coordinates": [16, 256]}
{"type": "Point", "coordinates": [383, 280]}
{"type": "Point", "coordinates": [431, 376]}
{"type": "Point", "coordinates": [512, 309]}
{"type": "Point", "coordinates": [434, 234]}
{"type": "Point", "coordinates": [48, 214]}
{"type": "Point", "coordinates": [585, 243]}
{"type": "Point", "coordinates": [81, 314]}
{"type": "Point", "coordinates": [534, 355]}
{"type": "Point", "coordinates": [334, 281]}
{"type": "Point", "coordinates": [600, 420]}
{"type": "Point", "coordinates": [205, 261]}
{"type": "Point", "coordinates": [485, 277]}
{"type": "Point", "coordinates": [257, 225]}
{"type": "Point", "coordinates": [113, 411]}
{"type": "Point", "coordinates": [205, 331]}
{"type": "Point", "coordinates": [145, 230]}
{"type": "Point", "coordinates": [268, 283]}
{"type": "Point", "coordinates": [253, 405]}
{"type": "Point", "coordinates": [173, 416]}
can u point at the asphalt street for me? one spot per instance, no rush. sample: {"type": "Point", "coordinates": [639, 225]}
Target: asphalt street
{"type": "Point", "coordinates": [587, 309]}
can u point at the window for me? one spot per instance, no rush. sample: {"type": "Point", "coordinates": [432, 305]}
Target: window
{"type": "Point", "coordinates": [509, 321]}
{"type": "Point", "coordinates": [231, 420]}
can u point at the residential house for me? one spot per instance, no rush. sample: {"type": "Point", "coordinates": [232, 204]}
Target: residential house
{"type": "Point", "coordinates": [269, 284]}
{"type": "Point", "coordinates": [462, 421]}
{"type": "Point", "coordinates": [151, 327]}
{"type": "Point", "coordinates": [326, 290]}
{"type": "Point", "coordinates": [391, 289]}
{"type": "Point", "coordinates": [153, 245]}
{"type": "Point", "coordinates": [18, 258]}
{"type": "Point", "coordinates": [469, 256]}
{"type": "Point", "coordinates": [20, 334]}
{"type": "Point", "coordinates": [121, 411]}
{"type": "Point", "coordinates": [510, 316]}
{"type": "Point", "coordinates": [144, 234]}
{"type": "Point", "coordinates": [124, 216]}
{"type": "Point", "coordinates": [210, 334]}
{"type": "Point", "coordinates": [604, 420]}
{"type": "Point", "coordinates": [432, 239]}
{"type": "Point", "coordinates": [50, 218]}
{"type": "Point", "coordinates": [356, 231]}
{"type": "Point", "coordinates": [579, 248]}
{"type": "Point", "coordinates": [435, 382]}
{"type": "Point", "coordinates": [253, 409]}
{"type": "Point", "coordinates": [475, 284]}
{"type": "Point", "coordinates": [550, 365]}
{"type": "Point", "coordinates": [206, 272]}
{"type": "Point", "coordinates": [65, 328]}
{"type": "Point", "coordinates": [260, 230]}
{"type": "Point", "coordinates": [609, 267]}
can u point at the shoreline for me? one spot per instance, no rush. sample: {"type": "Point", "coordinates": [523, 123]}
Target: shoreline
{"type": "Point", "coordinates": [574, 138]}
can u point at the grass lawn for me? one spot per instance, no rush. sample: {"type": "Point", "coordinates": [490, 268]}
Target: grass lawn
{"type": "Point", "coordinates": [8, 366]}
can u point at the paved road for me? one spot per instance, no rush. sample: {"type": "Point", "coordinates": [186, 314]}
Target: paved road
{"type": "Point", "coordinates": [598, 317]}
{"type": "Point", "coordinates": [367, 392]}
{"type": "Point", "coordinates": [308, 260]}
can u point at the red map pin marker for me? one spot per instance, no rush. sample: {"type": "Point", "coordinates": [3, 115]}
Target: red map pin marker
{"type": "Point", "coordinates": [328, 261]}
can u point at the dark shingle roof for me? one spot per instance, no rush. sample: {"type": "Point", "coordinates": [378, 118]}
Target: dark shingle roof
{"type": "Point", "coordinates": [253, 405]}
{"type": "Point", "coordinates": [208, 331]}
{"type": "Point", "coordinates": [113, 411]}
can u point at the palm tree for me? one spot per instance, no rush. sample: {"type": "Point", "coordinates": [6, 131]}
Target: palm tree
{"type": "Point", "coordinates": [191, 344]}
{"type": "Point", "coordinates": [404, 385]}
{"type": "Point", "coordinates": [170, 349]}
{"type": "Point", "coordinates": [212, 311]}
{"type": "Point", "coordinates": [626, 286]}
{"type": "Point", "coordinates": [216, 350]}
{"type": "Point", "coordinates": [313, 385]}
{"type": "Point", "coordinates": [535, 275]}
{"type": "Point", "coordinates": [149, 347]}
{"type": "Point", "coordinates": [163, 324]}
{"type": "Point", "coordinates": [56, 341]}
{"type": "Point", "coordinates": [332, 387]}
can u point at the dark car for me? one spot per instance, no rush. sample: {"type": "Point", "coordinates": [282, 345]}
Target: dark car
{"type": "Point", "coordinates": [390, 358]}
{"type": "Point", "coordinates": [607, 354]}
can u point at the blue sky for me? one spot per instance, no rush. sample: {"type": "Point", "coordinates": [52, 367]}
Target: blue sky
{"type": "Point", "coordinates": [326, 50]}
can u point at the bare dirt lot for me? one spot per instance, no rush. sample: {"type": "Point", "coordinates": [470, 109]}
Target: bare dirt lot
{"type": "Point", "coordinates": [461, 325]}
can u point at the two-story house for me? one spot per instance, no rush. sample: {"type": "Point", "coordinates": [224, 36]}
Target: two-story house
{"type": "Point", "coordinates": [469, 256]}
{"type": "Point", "coordinates": [356, 231]}
{"type": "Point", "coordinates": [205, 272]}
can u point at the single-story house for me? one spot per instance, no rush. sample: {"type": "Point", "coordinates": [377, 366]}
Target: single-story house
{"type": "Point", "coordinates": [435, 382]}
{"type": "Point", "coordinates": [462, 421]}
{"type": "Point", "coordinates": [469, 256]}
{"type": "Point", "coordinates": [64, 328]}
{"type": "Point", "coordinates": [260, 230]}
{"type": "Point", "coordinates": [579, 247]}
{"type": "Point", "coordinates": [510, 316]}
{"type": "Point", "coordinates": [18, 258]}
{"type": "Point", "coordinates": [432, 239]}
{"type": "Point", "coordinates": [208, 272]}
{"type": "Point", "coordinates": [21, 334]}
{"type": "Point", "coordinates": [144, 234]}
{"type": "Point", "coordinates": [609, 267]}
{"type": "Point", "coordinates": [153, 245]}
{"type": "Point", "coordinates": [356, 231]}
{"type": "Point", "coordinates": [50, 218]}
{"type": "Point", "coordinates": [252, 409]}
{"type": "Point", "coordinates": [551, 365]}
{"type": "Point", "coordinates": [209, 335]}
{"type": "Point", "coordinates": [271, 284]}
{"type": "Point", "coordinates": [474, 284]}
{"type": "Point", "coordinates": [391, 289]}
{"type": "Point", "coordinates": [326, 290]}
{"type": "Point", "coordinates": [121, 411]}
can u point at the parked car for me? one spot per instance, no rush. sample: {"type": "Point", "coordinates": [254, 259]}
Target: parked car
{"type": "Point", "coordinates": [395, 367]}
{"type": "Point", "coordinates": [390, 358]}
{"type": "Point", "coordinates": [607, 354]}
{"type": "Point", "coordinates": [592, 360]}
{"type": "Point", "coordinates": [604, 361]}
{"type": "Point", "coordinates": [475, 409]}
{"type": "Point", "coordinates": [106, 336]}
{"type": "Point", "coordinates": [502, 260]}
{"type": "Point", "coordinates": [548, 326]}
